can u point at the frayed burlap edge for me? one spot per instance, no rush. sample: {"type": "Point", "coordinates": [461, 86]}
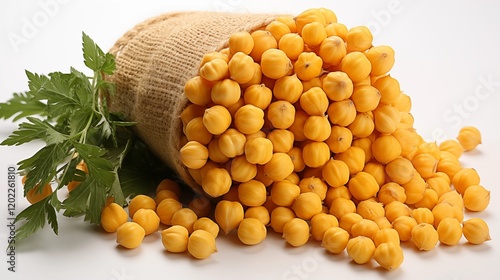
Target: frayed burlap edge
{"type": "Point", "coordinates": [155, 59]}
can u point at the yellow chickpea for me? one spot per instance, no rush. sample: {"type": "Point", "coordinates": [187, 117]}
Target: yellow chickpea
{"type": "Point", "coordinates": [423, 215]}
{"type": "Point", "coordinates": [315, 185]}
{"type": "Point", "coordinates": [469, 137]}
{"type": "Point", "coordinates": [184, 217]}
{"type": "Point", "coordinates": [429, 200]}
{"type": "Point", "coordinates": [283, 193]}
{"type": "Point", "coordinates": [163, 194]}
{"type": "Point", "coordinates": [208, 225]}
{"type": "Point", "coordinates": [296, 232]}
{"type": "Point", "coordinates": [476, 231]}
{"type": "Point", "coordinates": [306, 205]}
{"type": "Point", "coordinates": [280, 216]}
{"type": "Point", "coordinates": [335, 173]}
{"type": "Point", "coordinates": [476, 198]}
{"type": "Point", "coordinates": [348, 220]}
{"type": "Point", "coordinates": [363, 186]}
{"type": "Point", "coordinates": [391, 192]}
{"type": "Point", "coordinates": [386, 235]}
{"type": "Point", "coordinates": [370, 209]}
{"type": "Point", "coordinates": [112, 217]}
{"type": "Point", "coordinates": [252, 193]}
{"type": "Point", "coordinates": [342, 112]}
{"type": "Point", "coordinates": [364, 227]}
{"type": "Point", "coordinates": [382, 222]}
{"type": "Point", "coordinates": [228, 214]}
{"type": "Point", "coordinates": [335, 240]}
{"type": "Point", "coordinates": [389, 255]}
{"type": "Point", "coordinates": [340, 206]}
{"type": "Point", "coordinates": [322, 222]}
{"type": "Point", "coordinates": [166, 210]}
{"type": "Point", "coordinates": [140, 202]}
{"type": "Point", "coordinates": [147, 219]}
{"type": "Point", "coordinates": [395, 209]}
{"type": "Point", "coordinates": [175, 239]}
{"type": "Point", "coordinates": [449, 231]}
{"type": "Point", "coordinates": [130, 235]}
{"type": "Point", "coordinates": [251, 231]}
{"type": "Point", "coordinates": [360, 249]}
{"type": "Point", "coordinates": [260, 213]}
{"type": "Point", "coordinates": [424, 236]}
{"type": "Point", "coordinates": [404, 225]}
{"type": "Point", "coordinates": [201, 244]}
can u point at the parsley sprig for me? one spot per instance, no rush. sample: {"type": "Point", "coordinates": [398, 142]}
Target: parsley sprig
{"type": "Point", "coordinates": [68, 111]}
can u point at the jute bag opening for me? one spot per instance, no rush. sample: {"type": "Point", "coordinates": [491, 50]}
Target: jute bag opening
{"type": "Point", "coordinates": [155, 59]}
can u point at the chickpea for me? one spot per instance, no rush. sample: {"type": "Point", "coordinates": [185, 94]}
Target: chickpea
{"type": "Point", "coordinates": [306, 205]}
{"type": "Point", "coordinates": [251, 231]}
{"type": "Point", "coordinates": [364, 227]}
{"type": "Point", "coordinates": [335, 240]}
{"type": "Point", "coordinates": [322, 222]}
{"type": "Point", "coordinates": [389, 255]}
{"type": "Point", "coordinates": [476, 198]}
{"type": "Point", "coordinates": [284, 193]}
{"type": "Point", "coordinates": [184, 217]}
{"type": "Point", "coordinates": [280, 216]}
{"type": "Point", "coordinates": [348, 220]}
{"type": "Point", "coordinates": [147, 219]}
{"type": "Point", "coordinates": [423, 215]}
{"type": "Point", "coordinates": [469, 137]}
{"type": "Point", "coordinates": [130, 235]}
{"type": "Point", "coordinates": [296, 232]}
{"type": "Point", "coordinates": [340, 206]}
{"type": "Point", "coordinates": [201, 244]}
{"type": "Point", "coordinates": [476, 231]}
{"type": "Point", "coordinates": [424, 236]}
{"type": "Point", "coordinates": [175, 239]}
{"type": "Point", "coordinates": [360, 249]}
{"type": "Point", "coordinates": [166, 210]}
{"type": "Point", "coordinates": [404, 225]}
{"type": "Point", "coordinates": [386, 235]}
{"type": "Point", "coordinates": [112, 217]}
{"type": "Point", "coordinates": [449, 231]}
{"type": "Point", "coordinates": [260, 213]}
{"type": "Point", "coordinates": [207, 224]}
{"type": "Point", "coordinates": [140, 202]}
{"type": "Point", "coordinates": [228, 214]}
{"type": "Point", "coordinates": [370, 209]}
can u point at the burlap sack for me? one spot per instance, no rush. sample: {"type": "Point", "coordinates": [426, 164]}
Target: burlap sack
{"type": "Point", "coordinates": [155, 59]}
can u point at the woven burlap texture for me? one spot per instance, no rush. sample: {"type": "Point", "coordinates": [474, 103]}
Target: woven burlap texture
{"type": "Point", "coordinates": [153, 62]}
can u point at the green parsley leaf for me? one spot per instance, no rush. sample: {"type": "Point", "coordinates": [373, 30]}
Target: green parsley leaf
{"type": "Point", "coordinates": [35, 219]}
{"type": "Point", "coordinates": [77, 128]}
{"type": "Point", "coordinates": [20, 106]}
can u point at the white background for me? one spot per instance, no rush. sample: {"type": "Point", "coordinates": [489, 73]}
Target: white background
{"type": "Point", "coordinates": [447, 60]}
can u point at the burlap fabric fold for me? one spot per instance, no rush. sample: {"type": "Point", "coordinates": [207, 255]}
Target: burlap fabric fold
{"type": "Point", "coordinates": [155, 59]}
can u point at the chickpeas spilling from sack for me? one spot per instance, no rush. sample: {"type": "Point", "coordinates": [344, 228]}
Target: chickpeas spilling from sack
{"type": "Point", "coordinates": [299, 128]}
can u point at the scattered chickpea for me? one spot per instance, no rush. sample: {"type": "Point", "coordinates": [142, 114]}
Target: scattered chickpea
{"type": "Point", "coordinates": [296, 232]}
{"type": "Point", "coordinates": [335, 240]}
{"type": "Point", "coordinates": [175, 239]}
{"type": "Point", "coordinates": [424, 236]}
{"type": "Point", "coordinates": [476, 230]}
{"type": "Point", "coordinates": [360, 249]}
{"type": "Point", "coordinates": [251, 231]}
{"type": "Point", "coordinates": [201, 244]}
{"type": "Point", "coordinates": [130, 235]}
{"type": "Point", "coordinates": [389, 255]}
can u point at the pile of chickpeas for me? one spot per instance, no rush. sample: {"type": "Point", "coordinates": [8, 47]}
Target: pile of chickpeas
{"type": "Point", "coordinates": [298, 127]}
